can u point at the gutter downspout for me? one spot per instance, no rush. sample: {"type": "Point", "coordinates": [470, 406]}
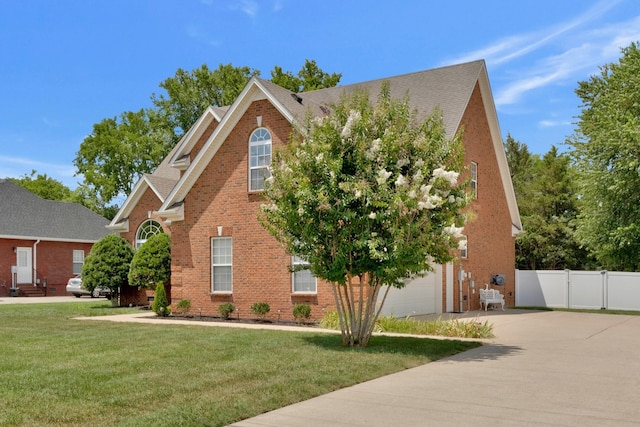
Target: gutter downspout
{"type": "Point", "coordinates": [35, 263]}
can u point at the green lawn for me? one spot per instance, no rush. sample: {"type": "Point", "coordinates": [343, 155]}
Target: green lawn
{"type": "Point", "coordinates": [61, 371]}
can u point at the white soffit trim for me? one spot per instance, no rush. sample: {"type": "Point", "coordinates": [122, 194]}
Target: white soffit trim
{"type": "Point", "coordinates": [131, 201]}
{"type": "Point", "coordinates": [501, 157]}
{"type": "Point", "coordinates": [192, 136]}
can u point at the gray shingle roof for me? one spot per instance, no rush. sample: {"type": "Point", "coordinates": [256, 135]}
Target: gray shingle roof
{"type": "Point", "coordinates": [448, 88]}
{"type": "Point", "coordinates": [25, 215]}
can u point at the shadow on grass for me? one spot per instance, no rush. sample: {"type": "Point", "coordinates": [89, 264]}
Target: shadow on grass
{"type": "Point", "coordinates": [434, 349]}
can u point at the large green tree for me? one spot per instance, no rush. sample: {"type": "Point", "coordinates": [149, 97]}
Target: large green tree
{"type": "Point", "coordinates": [46, 187]}
{"type": "Point", "coordinates": [107, 265]}
{"type": "Point", "coordinates": [310, 77]}
{"type": "Point", "coordinates": [369, 197]}
{"type": "Point", "coordinates": [606, 148]}
{"type": "Point", "coordinates": [549, 241]}
{"type": "Point", "coordinates": [548, 201]}
{"type": "Point", "coordinates": [188, 94]}
{"type": "Point", "coordinates": [52, 189]}
{"type": "Point", "coordinates": [120, 149]}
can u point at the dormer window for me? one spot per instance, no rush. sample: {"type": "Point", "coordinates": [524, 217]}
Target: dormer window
{"type": "Point", "coordinates": [259, 158]}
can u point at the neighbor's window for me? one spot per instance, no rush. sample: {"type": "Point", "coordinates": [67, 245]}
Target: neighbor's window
{"type": "Point", "coordinates": [221, 264]}
{"type": "Point", "coordinates": [463, 247]}
{"type": "Point", "coordinates": [78, 261]}
{"type": "Point", "coordinates": [147, 229]}
{"type": "Point", "coordinates": [302, 279]}
{"type": "Point", "coordinates": [474, 179]}
{"type": "Point", "coordinates": [259, 158]}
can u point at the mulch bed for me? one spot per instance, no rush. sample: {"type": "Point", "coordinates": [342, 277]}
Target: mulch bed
{"type": "Point", "coordinates": [248, 320]}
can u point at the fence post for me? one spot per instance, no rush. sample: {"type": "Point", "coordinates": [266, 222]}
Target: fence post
{"type": "Point", "coordinates": [605, 295]}
{"type": "Point", "coordinates": [568, 287]}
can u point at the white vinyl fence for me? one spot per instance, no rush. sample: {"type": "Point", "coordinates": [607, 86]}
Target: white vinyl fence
{"type": "Point", "coordinates": [612, 290]}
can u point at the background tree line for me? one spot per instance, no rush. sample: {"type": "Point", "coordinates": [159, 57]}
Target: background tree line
{"type": "Point", "coordinates": [580, 207]}
{"type": "Point", "coordinates": [121, 149]}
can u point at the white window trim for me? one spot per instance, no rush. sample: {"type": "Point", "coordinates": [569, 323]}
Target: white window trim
{"type": "Point", "coordinates": [214, 265]}
{"type": "Point", "coordinates": [78, 259]}
{"type": "Point", "coordinates": [258, 143]}
{"type": "Point", "coordinates": [474, 179]}
{"type": "Point", "coordinates": [464, 253]}
{"type": "Point", "coordinates": [296, 262]}
{"type": "Point", "coordinates": [158, 228]}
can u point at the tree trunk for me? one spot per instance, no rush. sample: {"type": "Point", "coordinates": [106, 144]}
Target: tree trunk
{"type": "Point", "coordinates": [356, 307]}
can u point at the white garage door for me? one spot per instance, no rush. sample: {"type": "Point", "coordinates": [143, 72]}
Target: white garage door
{"type": "Point", "coordinates": [423, 295]}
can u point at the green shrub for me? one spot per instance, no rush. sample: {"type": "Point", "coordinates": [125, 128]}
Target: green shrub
{"type": "Point", "coordinates": [160, 302]}
{"type": "Point", "coordinates": [301, 312]}
{"type": "Point", "coordinates": [226, 309]}
{"type": "Point", "coordinates": [107, 265]}
{"type": "Point", "coordinates": [438, 327]}
{"type": "Point", "coordinates": [260, 309]}
{"type": "Point", "coordinates": [183, 306]}
{"type": "Point", "coordinates": [330, 320]}
{"type": "Point", "coordinates": [152, 262]}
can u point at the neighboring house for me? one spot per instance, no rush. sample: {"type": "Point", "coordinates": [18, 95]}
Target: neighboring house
{"type": "Point", "coordinates": [43, 242]}
{"type": "Point", "coordinates": [207, 195]}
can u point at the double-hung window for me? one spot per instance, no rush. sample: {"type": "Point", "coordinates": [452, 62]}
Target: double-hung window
{"type": "Point", "coordinates": [78, 261]}
{"type": "Point", "coordinates": [259, 158]}
{"type": "Point", "coordinates": [474, 179]}
{"type": "Point", "coordinates": [221, 264]}
{"type": "Point", "coordinates": [303, 281]}
{"type": "Point", "coordinates": [463, 247]}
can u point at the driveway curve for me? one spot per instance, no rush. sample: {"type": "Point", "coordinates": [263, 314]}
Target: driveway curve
{"type": "Point", "coordinates": [543, 368]}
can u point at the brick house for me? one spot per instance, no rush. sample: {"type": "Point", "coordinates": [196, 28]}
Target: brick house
{"type": "Point", "coordinates": [43, 242]}
{"type": "Point", "coordinates": [206, 194]}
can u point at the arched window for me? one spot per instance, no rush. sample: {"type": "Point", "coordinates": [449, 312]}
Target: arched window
{"type": "Point", "coordinates": [259, 158]}
{"type": "Point", "coordinates": [147, 229]}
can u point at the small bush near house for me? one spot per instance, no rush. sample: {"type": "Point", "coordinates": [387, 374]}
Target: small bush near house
{"type": "Point", "coordinates": [160, 303]}
{"type": "Point", "coordinates": [226, 309]}
{"type": "Point", "coordinates": [107, 265]}
{"type": "Point", "coordinates": [151, 263]}
{"type": "Point", "coordinates": [183, 306]}
{"type": "Point", "coordinates": [260, 309]}
{"type": "Point", "coordinates": [301, 312]}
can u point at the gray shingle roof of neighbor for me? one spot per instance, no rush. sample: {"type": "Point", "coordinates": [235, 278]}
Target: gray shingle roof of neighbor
{"type": "Point", "coordinates": [25, 215]}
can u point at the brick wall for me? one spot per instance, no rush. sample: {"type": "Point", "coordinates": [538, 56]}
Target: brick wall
{"type": "Point", "coordinates": [491, 248]}
{"type": "Point", "coordinates": [220, 198]}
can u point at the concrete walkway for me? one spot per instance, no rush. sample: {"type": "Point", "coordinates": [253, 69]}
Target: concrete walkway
{"type": "Point", "coordinates": [543, 368]}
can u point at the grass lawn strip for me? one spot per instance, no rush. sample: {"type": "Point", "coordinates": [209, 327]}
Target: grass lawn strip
{"type": "Point", "coordinates": [61, 371]}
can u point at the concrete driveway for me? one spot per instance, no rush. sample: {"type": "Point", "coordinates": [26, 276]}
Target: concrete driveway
{"type": "Point", "coordinates": [543, 368]}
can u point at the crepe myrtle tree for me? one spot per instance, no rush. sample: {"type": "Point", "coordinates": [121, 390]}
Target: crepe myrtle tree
{"type": "Point", "coordinates": [370, 197]}
{"type": "Point", "coordinates": [107, 265]}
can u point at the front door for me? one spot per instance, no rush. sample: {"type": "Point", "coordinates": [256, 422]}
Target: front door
{"type": "Point", "coordinates": [25, 266]}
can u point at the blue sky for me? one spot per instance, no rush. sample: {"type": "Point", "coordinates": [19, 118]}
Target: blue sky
{"type": "Point", "coordinates": [67, 64]}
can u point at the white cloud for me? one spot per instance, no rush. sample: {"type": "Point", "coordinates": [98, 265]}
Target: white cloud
{"type": "Point", "coordinates": [516, 46]}
{"type": "Point", "coordinates": [553, 123]}
{"type": "Point", "coordinates": [590, 49]}
{"type": "Point", "coordinates": [249, 7]}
